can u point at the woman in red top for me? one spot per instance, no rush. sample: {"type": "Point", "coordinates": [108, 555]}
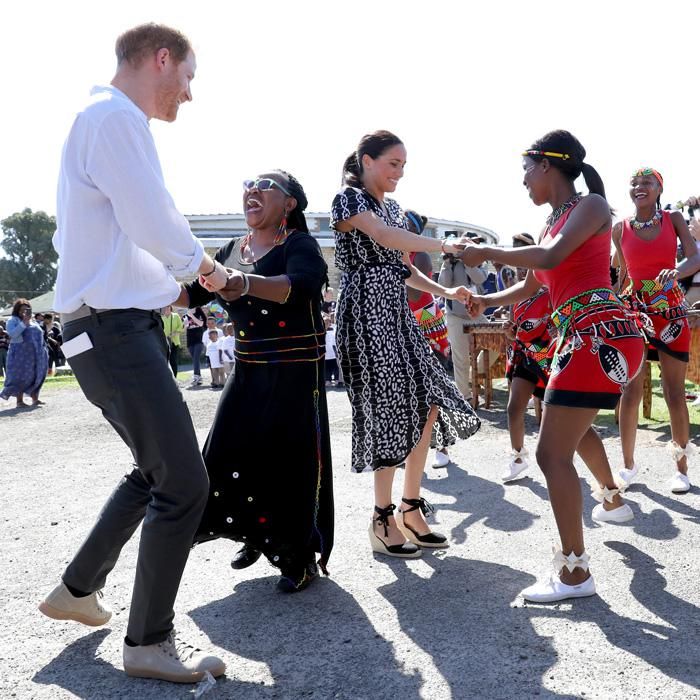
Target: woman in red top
{"type": "Point", "coordinates": [598, 348]}
{"type": "Point", "coordinates": [429, 316]}
{"type": "Point", "coordinates": [646, 249]}
{"type": "Point", "coordinates": [527, 363]}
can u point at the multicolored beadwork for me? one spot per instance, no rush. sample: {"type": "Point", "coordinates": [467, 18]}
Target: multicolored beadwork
{"type": "Point", "coordinates": [640, 225]}
{"type": "Point", "coordinates": [563, 208]}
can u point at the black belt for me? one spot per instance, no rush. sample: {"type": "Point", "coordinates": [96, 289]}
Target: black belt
{"type": "Point", "coordinates": [84, 311]}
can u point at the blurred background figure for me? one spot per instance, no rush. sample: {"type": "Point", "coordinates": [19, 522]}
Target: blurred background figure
{"type": "Point", "coordinates": [172, 327]}
{"type": "Point", "coordinates": [27, 357]}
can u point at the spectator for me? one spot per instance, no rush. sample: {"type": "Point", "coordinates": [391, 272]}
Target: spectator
{"type": "Point", "coordinates": [27, 357]}
{"type": "Point", "coordinates": [4, 346]}
{"type": "Point", "coordinates": [215, 356]}
{"type": "Point", "coordinates": [195, 320]}
{"type": "Point", "coordinates": [228, 346]}
{"type": "Point", "coordinates": [211, 326]}
{"type": "Point", "coordinates": [172, 327]}
{"type": "Point", "coordinates": [53, 340]}
{"type": "Point", "coordinates": [329, 302]}
{"type": "Point", "coordinates": [455, 273]}
{"type": "Point", "coordinates": [332, 374]}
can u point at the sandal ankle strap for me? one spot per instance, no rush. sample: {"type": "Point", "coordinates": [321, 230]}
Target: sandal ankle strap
{"type": "Point", "coordinates": [383, 515]}
{"type": "Point", "coordinates": [603, 493]}
{"type": "Point", "coordinates": [415, 503]}
{"type": "Point", "coordinates": [571, 561]}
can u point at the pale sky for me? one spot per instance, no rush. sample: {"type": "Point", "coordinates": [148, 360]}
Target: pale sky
{"type": "Point", "coordinates": [294, 85]}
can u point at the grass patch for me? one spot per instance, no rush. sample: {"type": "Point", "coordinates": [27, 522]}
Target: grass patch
{"type": "Point", "coordinates": [659, 419]}
{"type": "Point", "coordinates": [62, 381]}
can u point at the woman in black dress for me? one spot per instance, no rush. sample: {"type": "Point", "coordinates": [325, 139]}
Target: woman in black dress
{"type": "Point", "coordinates": [268, 452]}
{"type": "Point", "coordinates": [399, 391]}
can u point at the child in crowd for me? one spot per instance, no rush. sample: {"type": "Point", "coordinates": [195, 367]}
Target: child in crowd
{"type": "Point", "coordinates": [228, 343]}
{"type": "Point", "coordinates": [216, 363]}
{"type": "Point", "coordinates": [332, 372]}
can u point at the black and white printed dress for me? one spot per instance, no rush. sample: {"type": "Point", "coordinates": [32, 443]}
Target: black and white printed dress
{"type": "Point", "coordinates": [392, 375]}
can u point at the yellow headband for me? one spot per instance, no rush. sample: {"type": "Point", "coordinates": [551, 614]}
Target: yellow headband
{"type": "Point", "coordinates": [549, 154]}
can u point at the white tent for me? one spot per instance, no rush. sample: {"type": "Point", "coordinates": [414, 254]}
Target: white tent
{"type": "Point", "coordinates": [40, 304]}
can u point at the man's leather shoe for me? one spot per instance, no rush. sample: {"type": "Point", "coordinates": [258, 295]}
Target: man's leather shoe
{"type": "Point", "coordinates": [245, 557]}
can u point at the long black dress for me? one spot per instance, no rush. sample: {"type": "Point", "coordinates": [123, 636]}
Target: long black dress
{"type": "Point", "coordinates": [268, 452]}
{"type": "Point", "coordinates": [393, 376]}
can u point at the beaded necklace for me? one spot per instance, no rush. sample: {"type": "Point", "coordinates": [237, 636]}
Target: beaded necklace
{"type": "Point", "coordinates": [280, 238]}
{"type": "Point", "coordinates": [640, 225]}
{"type": "Point", "coordinates": [563, 208]}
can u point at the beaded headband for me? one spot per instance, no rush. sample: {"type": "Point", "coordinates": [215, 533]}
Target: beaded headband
{"type": "Point", "coordinates": [649, 171]}
{"type": "Point", "coordinates": [548, 154]}
{"type": "Point", "coordinates": [415, 221]}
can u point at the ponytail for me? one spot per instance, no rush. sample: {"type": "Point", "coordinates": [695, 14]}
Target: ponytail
{"type": "Point", "coordinates": [352, 172]}
{"type": "Point", "coordinates": [593, 181]}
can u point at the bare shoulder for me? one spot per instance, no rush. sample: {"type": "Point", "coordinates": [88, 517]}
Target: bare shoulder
{"type": "Point", "coordinates": [594, 204]}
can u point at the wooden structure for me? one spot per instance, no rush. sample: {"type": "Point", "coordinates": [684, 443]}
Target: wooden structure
{"type": "Point", "coordinates": [486, 337]}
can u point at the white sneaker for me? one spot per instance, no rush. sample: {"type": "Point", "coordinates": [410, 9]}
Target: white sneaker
{"type": "Point", "coordinates": [616, 515]}
{"type": "Point", "coordinates": [440, 460]}
{"type": "Point", "coordinates": [696, 403]}
{"type": "Point", "coordinates": [531, 402]}
{"type": "Point", "coordinates": [515, 468]}
{"type": "Point", "coordinates": [61, 604]}
{"type": "Point", "coordinates": [680, 483]}
{"type": "Point", "coordinates": [627, 475]}
{"type": "Point", "coordinates": [196, 380]}
{"type": "Point", "coordinates": [552, 590]}
{"type": "Point", "coordinates": [171, 660]}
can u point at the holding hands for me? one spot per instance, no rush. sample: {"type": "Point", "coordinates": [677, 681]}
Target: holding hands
{"type": "Point", "coordinates": [474, 255]}
{"type": "Point", "coordinates": [460, 294]}
{"type": "Point", "coordinates": [476, 306]}
{"type": "Point", "coordinates": [456, 247]}
{"type": "Point", "coordinates": [216, 279]}
{"type": "Point", "coordinates": [235, 285]}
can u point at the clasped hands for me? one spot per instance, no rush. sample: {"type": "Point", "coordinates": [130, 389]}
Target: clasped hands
{"type": "Point", "coordinates": [232, 286]}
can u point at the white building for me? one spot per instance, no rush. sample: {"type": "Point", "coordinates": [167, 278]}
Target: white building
{"type": "Point", "coordinates": [216, 229]}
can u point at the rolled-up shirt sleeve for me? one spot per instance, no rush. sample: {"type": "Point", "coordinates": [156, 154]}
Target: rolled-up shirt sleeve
{"type": "Point", "coordinates": [305, 268]}
{"type": "Point", "coordinates": [123, 164]}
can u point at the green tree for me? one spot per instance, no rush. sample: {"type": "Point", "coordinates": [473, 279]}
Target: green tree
{"type": "Point", "coordinates": [28, 260]}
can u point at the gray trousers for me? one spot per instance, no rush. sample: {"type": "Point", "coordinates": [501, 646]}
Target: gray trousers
{"type": "Point", "coordinates": [126, 375]}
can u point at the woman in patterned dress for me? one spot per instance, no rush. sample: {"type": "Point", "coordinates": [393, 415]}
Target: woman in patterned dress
{"type": "Point", "coordinates": [400, 394]}
{"type": "Point", "coordinates": [599, 346]}
{"type": "Point", "coordinates": [646, 250]}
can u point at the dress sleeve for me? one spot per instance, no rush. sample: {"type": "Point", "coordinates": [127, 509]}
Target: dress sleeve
{"type": "Point", "coordinates": [305, 268]}
{"type": "Point", "coordinates": [347, 203]}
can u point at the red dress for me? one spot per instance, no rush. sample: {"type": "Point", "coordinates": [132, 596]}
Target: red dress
{"type": "Point", "coordinates": [664, 305]}
{"type": "Point", "coordinates": [599, 347]}
{"type": "Point", "coordinates": [528, 356]}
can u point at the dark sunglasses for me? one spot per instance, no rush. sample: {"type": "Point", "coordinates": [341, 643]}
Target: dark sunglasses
{"type": "Point", "coordinates": [263, 184]}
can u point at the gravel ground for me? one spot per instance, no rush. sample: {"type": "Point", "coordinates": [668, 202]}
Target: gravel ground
{"type": "Point", "coordinates": [449, 625]}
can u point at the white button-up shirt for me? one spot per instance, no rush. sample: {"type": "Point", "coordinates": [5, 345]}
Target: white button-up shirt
{"type": "Point", "coordinates": [119, 237]}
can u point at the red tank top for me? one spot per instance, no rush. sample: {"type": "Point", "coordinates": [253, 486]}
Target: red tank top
{"type": "Point", "coordinates": [588, 267]}
{"type": "Point", "coordinates": [424, 299]}
{"type": "Point", "coordinates": [645, 259]}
